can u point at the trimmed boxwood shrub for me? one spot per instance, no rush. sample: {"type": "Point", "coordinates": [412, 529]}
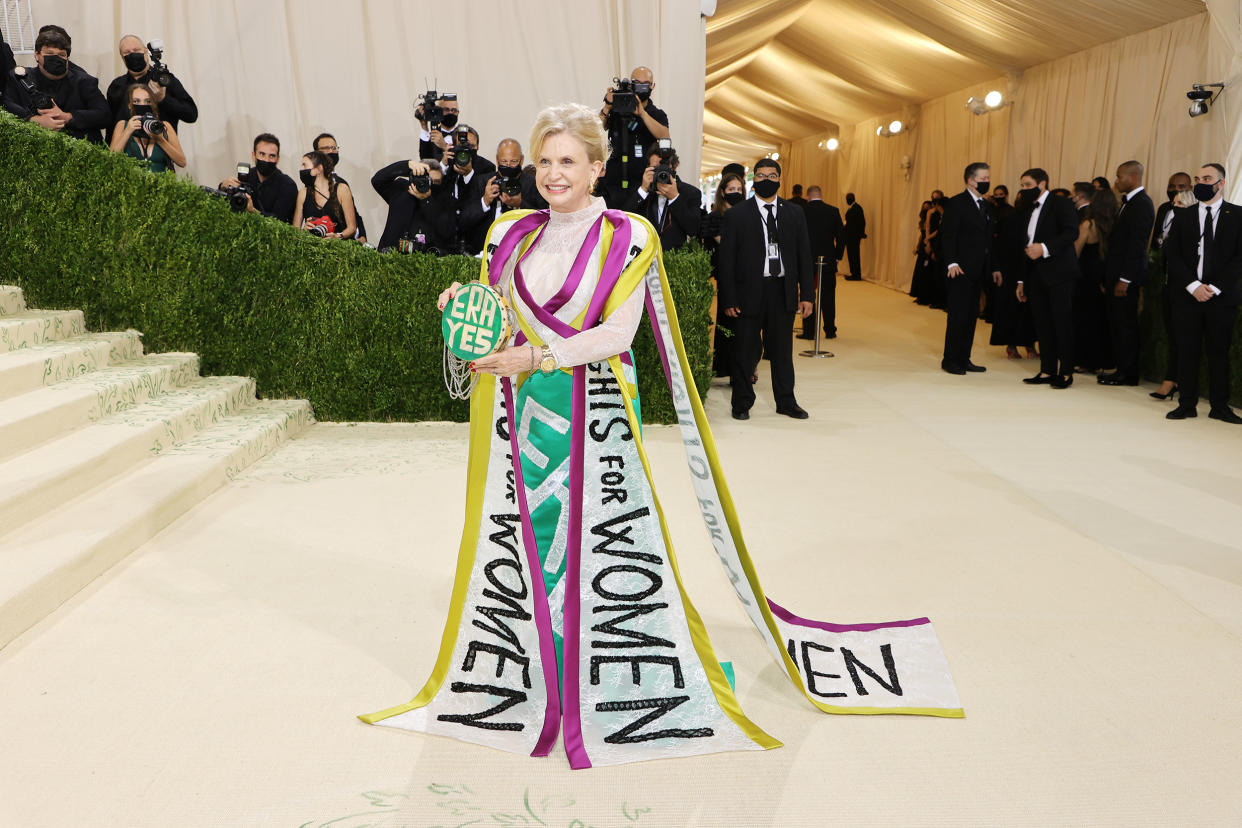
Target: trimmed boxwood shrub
{"type": "Point", "coordinates": [353, 331]}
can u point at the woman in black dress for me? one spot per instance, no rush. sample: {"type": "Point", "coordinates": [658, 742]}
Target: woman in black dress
{"type": "Point", "coordinates": [324, 196]}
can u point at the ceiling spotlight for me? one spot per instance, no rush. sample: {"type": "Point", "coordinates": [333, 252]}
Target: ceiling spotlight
{"type": "Point", "coordinates": [895, 127]}
{"type": "Point", "coordinates": [1202, 97]}
{"type": "Point", "coordinates": [879, 131]}
{"type": "Point", "coordinates": [993, 99]}
{"type": "Point", "coordinates": [832, 144]}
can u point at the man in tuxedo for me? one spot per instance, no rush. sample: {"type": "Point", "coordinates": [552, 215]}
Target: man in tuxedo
{"type": "Point", "coordinates": [466, 174]}
{"type": "Point", "coordinates": [1125, 272]}
{"type": "Point", "coordinates": [966, 235]}
{"type": "Point", "coordinates": [477, 214]}
{"type": "Point", "coordinates": [673, 207]}
{"type": "Point", "coordinates": [1051, 270]}
{"type": "Point", "coordinates": [827, 232]}
{"type": "Point", "coordinates": [855, 232]}
{"type": "Point", "coordinates": [1204, 255]}
{"type": "Point", "coordinates": [1179, 182]}
{"type": "Point", "coordinates": [796, 197]}
{"type": "Point", "coordinates": [764, 265]}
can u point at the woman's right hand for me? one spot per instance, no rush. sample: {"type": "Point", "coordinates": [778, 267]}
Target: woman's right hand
{"type": "Point", "coordinates": [447, 295]}
{"type": "Point", "coordinates": [134, 124]}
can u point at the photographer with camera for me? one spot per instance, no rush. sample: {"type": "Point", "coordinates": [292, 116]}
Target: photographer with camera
{"type": "Point", "coordinates": [166, 90]}
{"type": "Point", "coordinates": [673, 206]}
{"type": "Point", "coordinates": [422, 213]}
{"type": "Point", "coordinates": [508, 188]}
{"type": "Point", "coordinates": [633, 123]}
{"type": "Point", "coordinates": [325, 142]}
{"type": "Point", "coordinates": [466, 174]}
{"type": "Point", "coordinates": [144, 136]}
{"type": "Point", "coordinates": [325, 203]}
{"type": "Point", "coordinates": [56, 94]}
{"type": "Point", "coordinates": [267, 190]}
{"type": "Point", "coordinates": [437, 115]}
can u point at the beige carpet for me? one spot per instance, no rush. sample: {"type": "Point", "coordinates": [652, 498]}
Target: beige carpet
{"type": "Point", "coordinates": [1080, 556]}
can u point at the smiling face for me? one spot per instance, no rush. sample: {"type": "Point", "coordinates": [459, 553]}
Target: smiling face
{"type": "Point", "coordinates": [564, 174]}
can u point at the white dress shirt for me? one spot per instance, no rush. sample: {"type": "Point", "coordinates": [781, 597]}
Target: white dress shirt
{"type": "Point", "coordinates": [763, 214]}
{"type": "Point", "coordinates": [1203, 208]}
{"type": "Point", "coordinates": [661, 206]}
{"type": "Point", "coordinates": [1030, 225]}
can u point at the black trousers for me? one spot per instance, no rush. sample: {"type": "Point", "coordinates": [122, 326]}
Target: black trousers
{"type": "Point", "coordinates": [827, 303]}
{"type": "Point", "coordinates": [1123, 328]}
{"type": "Point", "coordinates": [852, 254]}
{"type": "Point", "coordinates": [1198, 323]}
{"type": "Point", "coordinates": [963, 312]}
{"type": "Point", "coordinates": [774, 325]}
{"type": "Point", "coordinates": [1053, 309]}
{"type": "Point", "coordinates": [1166, 307]}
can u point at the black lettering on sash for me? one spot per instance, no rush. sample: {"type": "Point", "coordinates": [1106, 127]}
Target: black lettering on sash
{"type": "Point", "coordinates": [603, 386]}
{"type": "Point", "coordinates": [854, 665]}
{"type": "Point", "coordinates": [596, 406]}
{"type": "Point", "coordinates": [679, 681]}
{"type": "Point", "coordinates": [654, 583]}
{"type": "Point", "coordinates": [629, 734]}
{"type": "Point", "coordinates": [518, 592]}
{"type": "Point", "coordinates": [638, 637]}
{"type": "Point", "coordinates": [612, 478]}
{"type": "Point", "coordinates": [604, 547]}
{"type": "Point", "coordinates": [509, 698]}
{"type": "Point", "coordinates": [810, 674]}
{"type": "Point", "coordinates": [601, 436]}
{"type": "Point", "coordinates": [507, 536]}
{"type": "Point", "coordinates": [474, 647]}
{"type": "Point", "coordinates": [502, 428]}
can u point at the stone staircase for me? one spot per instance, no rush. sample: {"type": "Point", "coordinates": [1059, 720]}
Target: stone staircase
{"type": "Point", "coordinates": [102, 446]}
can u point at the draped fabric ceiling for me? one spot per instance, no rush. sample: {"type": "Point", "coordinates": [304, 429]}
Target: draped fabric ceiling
{"type": "Point", "coordinates": [782, 70]}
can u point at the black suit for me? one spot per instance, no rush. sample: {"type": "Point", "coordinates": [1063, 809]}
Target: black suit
{"type": "Point", "coordinates": [681, 219]}
{"type": "Point", "coordinates": [1166, 296]}
{"type": "Point", "coordinates": [435, 218]}
{"type": "Point", "coordinates": [855, 232]}
{"type": "Point", "coordinates": [966, 234]}
{"type": "Point", "coordinates": [76, 93]}
{"type": "Point", "coordinates": [1049, 282]}
{"type": "Point", "coordinates": [475, 218]}
{"type": "Point", "coordinates": [1127, 259]}
{"type": "Point", "coordinates": [1195, 322]}
{"type": "Point", "coordinates": [469, 238]}
{"type": "Point", "coordinates": [767, 303]}
{"type": "Point", "coordinates": [827, 232]}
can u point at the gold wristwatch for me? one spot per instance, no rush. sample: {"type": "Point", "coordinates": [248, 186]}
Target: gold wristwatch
{"type": "Point", "coordinates": [547, 362]}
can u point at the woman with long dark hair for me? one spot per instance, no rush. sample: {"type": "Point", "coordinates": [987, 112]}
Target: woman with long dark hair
{"type": "Point", "coordinates": [144, 136]}
{"type": "Point", "coordinates": [323, 196]}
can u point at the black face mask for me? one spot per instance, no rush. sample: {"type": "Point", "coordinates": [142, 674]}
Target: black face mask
{"type": "Point", "coordinates": [135, 61]}
{"type": "Point", "coordinates": [1205, 192]}
{"type": "Point", "coordinates": [982, 187]}
{"type": "Point", "coordinates": [142, 109]}
{"type": "Point", "coordinates": [55, 65]}
{"type": "Point", "coordinates": [767, 188]}
{"type": "Point", "coordinates": [334, 157]}
{"type": "Point", "coordinates": [265, 168]}
{"type": "Point", "coordinates": [450, 120]}
{"type": "Point", "coordinates": [734, 198]}
{"type": "Point", "coordinates": [437, 187]}
{"type": "Point", "coordinates": [1172, 194]}
{"type": "Point", "coordinates": [308, 177]}
{"type": "Point", "coordinates": [1028, 195]}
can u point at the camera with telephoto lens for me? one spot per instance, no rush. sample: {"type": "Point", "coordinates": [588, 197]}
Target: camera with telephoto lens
{"type": "Point", "coordinates": [38, 98]}
{"type": "Point", "coordinates": [422, 183]}
{"type": "Point", "coordinates": [433, 113]}
{"type": "Point", "coordinates": [159, 72]}
{"type": "Point", "coordinates": [664, 174]}
{"type": "Point", "coordinates": [461, 152]}
{"type": "Point", "coordinates": [625, 95]}
{"type": "Point", "coordinates": [509, 185]}
{"type": "Point", "coordinates": [152, 125]}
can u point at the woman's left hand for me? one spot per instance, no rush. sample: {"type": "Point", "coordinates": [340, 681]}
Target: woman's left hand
{"type": "Point", "coordinates": [508, 362]}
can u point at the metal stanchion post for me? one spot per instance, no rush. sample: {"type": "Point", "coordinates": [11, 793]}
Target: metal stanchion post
{"type": "Point", "coordinates": [817, 312]}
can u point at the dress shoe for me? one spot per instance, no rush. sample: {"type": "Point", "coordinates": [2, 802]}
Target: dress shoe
{"type": "Point", "coordinates": [1182, 412]}
{"type": "Point", "coordinates": [1061, 382]}
{"type": "Point", "coordinates": [806, 336]}
{"type": "Point", "coordinates": [974, 369]}
{"type": "Point", "coordinates": [853, 278]}
{"type": "Point", "coordinates": [741, 415]}
{"type": "Point", "coordinates": [1158, 396]}
{"type": "Point", "coordinates": [1116, 378]}
{"type": "Point", "coordinates": [1039, 379]}
{"type": "Point", "coordinates": [952, 368]}
{"type": "Point", "coordinates": [1225, 415]}
{"type": "Point", "coordinates": [793, 411]}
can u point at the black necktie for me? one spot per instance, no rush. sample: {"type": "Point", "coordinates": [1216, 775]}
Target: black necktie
{"type": "Point", "coordinates": [983, 208]}
{"type": "Point", "coordinates": [774, 264]}
{"type": "Point", "coordinates": [1208, 235]}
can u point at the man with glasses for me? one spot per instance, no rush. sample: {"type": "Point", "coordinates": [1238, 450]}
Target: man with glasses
{"type": "Point", "coordinates": [630, 133]}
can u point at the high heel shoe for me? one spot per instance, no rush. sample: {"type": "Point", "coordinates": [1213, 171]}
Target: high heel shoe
{"type": "Point", "coordinates": [1158, 396]}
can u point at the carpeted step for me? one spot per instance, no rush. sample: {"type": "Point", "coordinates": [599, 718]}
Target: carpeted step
{"type": "Point", "coordinates": [37, 416]}
{"type": "Point", "coordinates": [45, 478]}
{"type": "Point", "coordinates": [47, 562]}
{"type": "Point", "coordinates": [11, 300]}
{"type": "Point", "coordinates": [43, 365]}
{"type": "Point", "coordinates": [34, 327]}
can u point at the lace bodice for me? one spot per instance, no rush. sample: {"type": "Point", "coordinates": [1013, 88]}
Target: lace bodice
{"type": "Point", "coordinates": [545, 270]}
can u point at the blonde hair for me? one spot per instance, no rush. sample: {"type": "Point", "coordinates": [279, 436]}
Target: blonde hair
{"type": "Point", "coordinates": [581, 122]}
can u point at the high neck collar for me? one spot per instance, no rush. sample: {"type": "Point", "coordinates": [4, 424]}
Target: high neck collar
{"type": "Point", "coordinates": [587, 214]}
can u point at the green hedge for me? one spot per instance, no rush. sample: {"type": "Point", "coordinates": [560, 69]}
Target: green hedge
{"type": "Point", "coordinates": [353, 331]}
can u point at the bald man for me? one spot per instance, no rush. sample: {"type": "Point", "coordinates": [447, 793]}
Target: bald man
{"type": "Point", "coordinates": [497, 196]}
{"type": "Point", "coordinates": [1125, 272]}
{"type": "Point", "coordinates": [176, 105]}
{"type": "Point", "coordinates": [631, 135]}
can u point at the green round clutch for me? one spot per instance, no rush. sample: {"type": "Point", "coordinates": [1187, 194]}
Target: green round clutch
{"type": "Point", "coordinates": [475, 322]}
